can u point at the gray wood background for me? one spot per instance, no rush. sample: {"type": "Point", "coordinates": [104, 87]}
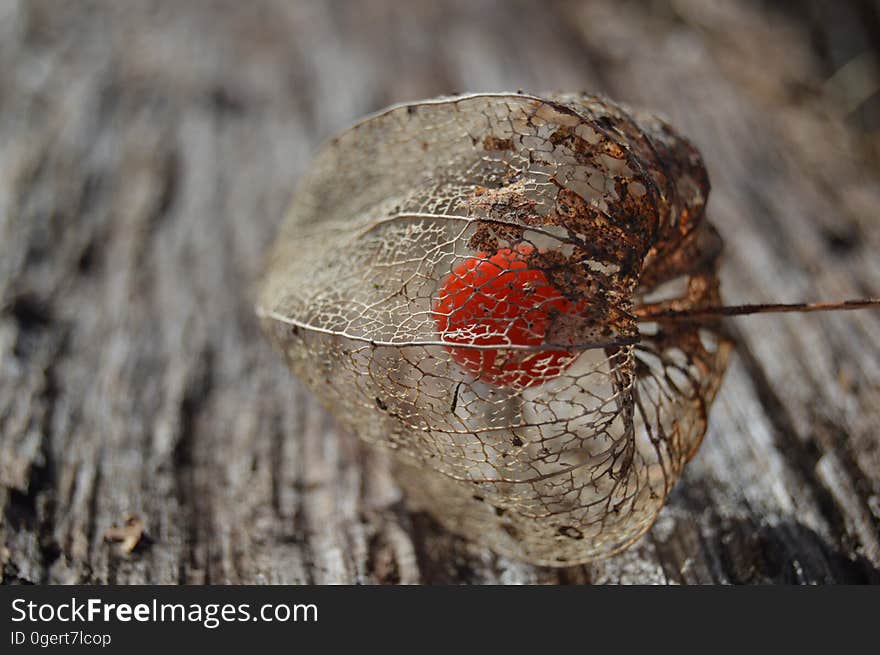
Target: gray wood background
{"type": "Point", "coordinates": [147, 152]}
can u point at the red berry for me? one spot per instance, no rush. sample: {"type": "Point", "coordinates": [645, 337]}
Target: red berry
{"type": "Point", "coordinates": [499, 300]}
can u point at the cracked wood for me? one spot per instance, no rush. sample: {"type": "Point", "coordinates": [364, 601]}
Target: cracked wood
{"type": "Point", "coordinates": [147, 158]}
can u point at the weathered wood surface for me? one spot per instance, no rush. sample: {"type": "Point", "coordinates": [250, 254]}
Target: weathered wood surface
{"type": "Point", "coordinates": [147, 152]}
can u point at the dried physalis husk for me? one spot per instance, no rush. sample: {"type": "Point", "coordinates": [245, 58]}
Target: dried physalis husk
{"type": "Point", "coordinates": [518, 297]}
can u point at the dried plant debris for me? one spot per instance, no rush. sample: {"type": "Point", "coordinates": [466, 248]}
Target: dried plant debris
{"type": "Point", "coordinates": [518, 297]}
{"type": "Point", "coordinates": [129, 536]}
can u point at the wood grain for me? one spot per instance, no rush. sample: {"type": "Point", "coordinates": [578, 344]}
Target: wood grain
{"type": "Point", "coordinates": [147, 152]}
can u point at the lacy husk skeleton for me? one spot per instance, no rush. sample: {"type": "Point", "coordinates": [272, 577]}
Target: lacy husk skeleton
{"type": "Point", "coordinates": [608, 204]}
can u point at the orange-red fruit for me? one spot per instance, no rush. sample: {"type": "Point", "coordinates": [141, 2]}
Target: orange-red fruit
{"type": "Point", "coordinates": [499, 300]}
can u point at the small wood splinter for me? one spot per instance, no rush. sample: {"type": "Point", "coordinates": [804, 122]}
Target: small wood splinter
{"type": "Point", "coordinates": [130, 535]}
